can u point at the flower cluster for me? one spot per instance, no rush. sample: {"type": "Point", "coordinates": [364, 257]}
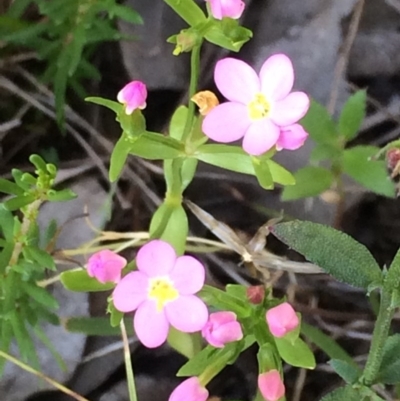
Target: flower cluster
{"type": "Point", "coordinates": [261, 108]}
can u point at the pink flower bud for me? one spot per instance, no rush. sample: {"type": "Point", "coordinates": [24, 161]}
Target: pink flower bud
{"type": "Point", "coordinates": [255, 294]}
{"type": "Point", "coordinates": [222, 328]}
{"type": "Point", "coordinates": [189, 390]}
{"type": "Point", "coordinates": [291, 137]}
{"type": "Point", "coordinates": [133, 96]}
{"type": "Point", "coordinates": [271, 385]}
{"type": "Point", "coordinates": [282, 319]}
{"type": "Point", "coordinates": [226, 8]}
{"type": "Point", "coordinates": [106, 266]}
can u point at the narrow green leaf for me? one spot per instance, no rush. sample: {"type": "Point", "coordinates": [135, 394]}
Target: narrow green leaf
{"type": "Point", "coordinates": [228, 157]}
{"type": "Point", "coordinates": [187, 344]}
{"type": "Point", "coordinates": [61, 196]}
{"type": "Point", "coordinates": [126, 13]}
{"type": "Point", "coordinates": [372, 174]}
{"type": "Point", "coordinates": [346, 371]}
{"type": "Point", "coordinates": [352, 115]}
{"type": "Point", "coordinates": [279, 174]}
{"type": "Point", "coordinates": [335, 252]}
{"type": "Point", "coordinates": [393, 275]}
{"type": "Point", "coordinates": [347, 393]}
{"type": "Point", "coordinates": [296, 353]}
{"type": "Point", "coordinates": [18, 202]}
{"type": "Point", "coordinates": [8, 187]}
{"type": "Point", "coordinates": [115, 315]}
{"type": "Point", "coordinates": [118, 157]}
{"type": "Point", "coordinates": [95, 326]}
{"type": "Point", "coordinates": [319, 124]}
{"type": "Point", "coordinates": [188, 10]}
{"type": "Point", "coordinates": [310, 181]}
{"type": "Point", "coordinates": [390, 367]}
{"type": "Point", "coordinates": [110, 104]}
{"type": "Point", "coordinates": [40, 295]}
{"type": "Point", "coordinates": [263, 173]}
{"type": "Point", "coordinates": [178, 122]}
{"type": "Point", "coordinates": [78, 280]}
{"type": "Point", "coordinates": [39, 256]}
{"type": "Point", "coordinates": [189, 167]}
{"type": "Point", "coordinates": [326, 343]}
{"type": "Point", "coordinates": [6, 223]}
{"type": "Point", "coordinates": [5, 256]}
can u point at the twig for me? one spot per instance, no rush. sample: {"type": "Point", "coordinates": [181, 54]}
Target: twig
{"type": "Point", "coordinates": [344, 55]}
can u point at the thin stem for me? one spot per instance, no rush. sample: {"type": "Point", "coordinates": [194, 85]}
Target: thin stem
{"type": "Point", "coordinates": [41, 375]}
{"type": "Point", "coordinates": [194, 78]}
{"type": "Point", "coordinates": [128, 364]}
{"type": "Point", "coordinates": [379, 337]}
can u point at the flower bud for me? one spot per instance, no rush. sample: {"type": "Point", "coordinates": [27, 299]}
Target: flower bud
{"type": "Point", "coordinates": [255, 294]}
{"type": "Point", "coordinates": [222, 328]}
{"type": "Point", "coordinates": [271, 385]}
{"type": "Point", "coordinates": [226, 8]}
{"type": "Point", "coordinates": [106, 266]}
{"type": "Point", "coordinates": [133, 96]}
{"type": "Point", "coordinates": [282, 319]}
{"type": "Point", "coordinates": [189, 390]}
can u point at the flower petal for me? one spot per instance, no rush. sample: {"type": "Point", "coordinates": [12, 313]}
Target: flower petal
{"type": "Point", "coordinates": [228, 333]}
{"type": "Point", "coordinates": [236, 80]}
{"type": "Point", "coordinates": [131, 291]}
{"type": "Point", "coordinates": [277, 77]}
{"type": "Point", "coordinates": [291, 109]}
{"type": "Point", "coordinates": [188, 275]}
{"type": "Point", "coordinates": [291, 137]}
{"type": "Point", "coordinates": [150, 326]}
{"type": "Point", "coordinates": [156, 258]}
{"type": "Point", "coordinates": [187, 313]}
{"type": "Point", "coordinates": [189, 390]}
{"type": "Point", "coordinates": [260, 137]}
{"type": "Point", "coordinates": [227, 122]}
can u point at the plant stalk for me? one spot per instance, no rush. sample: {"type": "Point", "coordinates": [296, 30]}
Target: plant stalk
{"type": "Point", "coordinates": [128, 364]}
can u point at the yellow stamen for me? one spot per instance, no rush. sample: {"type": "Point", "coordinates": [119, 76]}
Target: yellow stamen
{"type": "Point", "coordinates": [162, 290]}
{"type": "Point", "coordinates": [259, 107]}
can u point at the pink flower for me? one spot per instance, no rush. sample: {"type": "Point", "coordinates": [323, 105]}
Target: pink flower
{"type": "Point", "coordinates": [161, 291]}
{"type": "Point", "coordinates": [226, 8]}
{"type": "Point", "coordinates": [259, 107]}
{"type": "Point", "coordinates": [133, 96]}
{"type": "Point", "coordinates": [291, 137]}
{"type": "Point", "coordinates": [271, 385]}
{"type": "Point", "coordinates": [106, 266]}
{"type": "Point", "coordinates": [282, 319]}
{"type": "Point", "coordinates": [189, 390]}
{"type": "Point", "coordinates": [222, 328]}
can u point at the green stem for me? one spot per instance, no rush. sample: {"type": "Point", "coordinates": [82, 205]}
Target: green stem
{"type": "Point", "coordinates": [41, 375]}
{"type": "Point", "coordinates": [128, 364]}
{"type": "Point", "coordinates": [379, 337]}
{"type": "Point", "coordinates": [194, 78]}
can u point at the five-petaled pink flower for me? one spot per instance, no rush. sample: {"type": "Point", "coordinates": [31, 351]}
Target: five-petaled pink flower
{"type": "Point", "coordinates": [271, 385]}
{"type": "Point", "coordinates": [282, 319]}
{"type": "Point", "coordinates": [189, 390]}
{"type": "Point", "coordinates": [222, 328]}
{"type": "Point", "coordinates": [261, 109]}
{"type": "Point", "coordinates": [133, 96]}
{"type": "Point", "coordinates": [226, 8]}
{"type": "Point", "coordinates": [106, 266]}
{"type": "Point", "coordinates": [162, 293]}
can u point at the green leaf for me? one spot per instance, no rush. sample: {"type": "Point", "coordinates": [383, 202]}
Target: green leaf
{"type": "Point", "coordinates": [78, 280]}
{"type": "Point", "coordinates": [177, 226]}
{"type": "Point", "coordinates": [8, 187]}
{"type": "Point", "coordinates": [393, 275]}
{"type": "Point", "coordinates": [94, 326]}
{"type": "Point", "coordinates": [154, 146]}
{"type": "Point", "coordinates": [347, 393]}
{"type": "Point", "coordinates": [346, 371]}
{"type": "Point", "coordinates": [178, 122]}
{"type": "Point", "coordinates": [390, 367]}
{"type": "Point", "coordinates": [40, 295]}
{"type": "Point", "coordinates": [39, 256]}
{"type": "Point", "coordinates": [110, 104]}
{"type": "Point", "coordinates": [279, 174]}
{"type": "Point", "coordinates": [325, 151]}
{"type": "Point", "coordinates": [188, 10]}
{"type": "Point", "coordinates": [187, 344]}
{"type": "Point", "coordinates": [335, 252]}
{"type": "Point", "coordinates": [352, 115]}
{"type": "Point", "coordinates": [189, 167]}
{"type": "Point", "coordinates": [296, 353]}
{"type": "Point", "coordinates": [372, 174]}
{"type": "Point", "coordinates": [61, 196]}
{"type": "Point", "coordinates": [5, 256]}
{"type": "Point", "coordinates": [263, 173]}
{"type": "Point", "coordinates": [6, 223]}
{"type": "Point", "coordinates": [118, 157]}
{"type": "Point", "coordinates": [267, 358]}
{"type": "Point", "coordinates": [326, 343]}
{"type": "Point", "coordinates": [310, 181]}
{"type": "Point", "coordinates": [319, 124]}
{"type": "Point", "coordinates": [228, 157]}
{"type": "Point", "coordinates": [211, 356]}
{"type": "Point", "coordinates": [126, 13]}
{"type": "Point", "coordinates": [133, 124]}
{"type": "Point", "coordinates": [18, 202]}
